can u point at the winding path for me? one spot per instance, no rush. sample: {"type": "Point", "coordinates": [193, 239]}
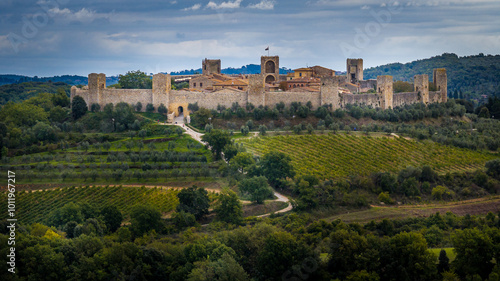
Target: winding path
{"type": "Point", "coordinates": [179, 121]}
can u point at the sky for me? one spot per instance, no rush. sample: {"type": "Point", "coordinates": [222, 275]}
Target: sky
{"type": "Point", "coordinates": [78, 37]}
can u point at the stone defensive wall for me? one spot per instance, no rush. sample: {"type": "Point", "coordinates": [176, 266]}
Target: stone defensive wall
{"type": "Point", "coordinates": [177, 101]}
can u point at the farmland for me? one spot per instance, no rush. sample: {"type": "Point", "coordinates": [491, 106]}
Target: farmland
{"type": "Point", "coordinates": [35, 206]}
{"type": "Point", "coordinates": [339, 156]}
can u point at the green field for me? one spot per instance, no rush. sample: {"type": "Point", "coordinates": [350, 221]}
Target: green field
{"type": "Point", "coordinates": [449, 252]}
{"type": "Point", "coordinates": [339, 156]}
{"type": "Point", "coordinates": [34, 207]}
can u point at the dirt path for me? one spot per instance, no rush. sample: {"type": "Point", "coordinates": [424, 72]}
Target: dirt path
{"type": "Point", "coordinates": [197, 136]}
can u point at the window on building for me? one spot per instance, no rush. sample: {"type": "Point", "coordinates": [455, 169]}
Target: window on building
{"type": "Point", "coordinates": [194, 85]}
{"type": "Point", "coordinates": [201, 84]}
{"type": "Point", "coordinates": [300, 74]}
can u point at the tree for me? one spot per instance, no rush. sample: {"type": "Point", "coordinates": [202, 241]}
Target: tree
{"type": "Point", "coordinates": [229, 208]}
{"type": "Point", "coordinates": [95, 107]}
{"type": "Point", "coordinates": [112, 217]}
{"type": "Point", "coordinates": [162, 109]}
{"type": "Point", "coordinates": [144, 218]}
{"type": "Point", "coordinates": [217, 140]}
{"type": "Point", "coordinates": [474, 250]}
{"type": "Point", "coordinates": [60, 98]}
{"type": "Point", "coordinates": [257, 187]}
{"type": "Point", "coordinates": [138, 106]}
{"type": "Point", "coordinates": [444, 262]}
{"type": "Point", "coordinates": [279, 253]}
{"type": "Point", "coordinates": [242, 160]}
{"type": "Point", "coordinates": [493, 168]}
{"type": "Point", "coordinates": [222, 269]}
{"type": "Point", "coordinates": [194, 200]}
{"type": "Point", "coordinates": [78, 107]}
{"type": "Point", "coordinates": [150, 107]}
{"type": "Point", "coordinates": [135, 80]}
{"type": "Point", "coordinates": [276, 166]}
{"type": "Point", "coordinates": [405, 257]}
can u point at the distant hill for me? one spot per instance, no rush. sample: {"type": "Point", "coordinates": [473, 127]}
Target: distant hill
{"type": "Point", "coordinates": [18, 92]}
{"type": "Point", "coordinates": [471, 75]}
{"type": "Point", "coordinates": [68, 79]}
{"type": "Point", "coordinates": [247, 69]}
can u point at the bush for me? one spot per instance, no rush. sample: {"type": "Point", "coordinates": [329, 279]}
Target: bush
{"type": "Point", "coordinates": [150, 108]}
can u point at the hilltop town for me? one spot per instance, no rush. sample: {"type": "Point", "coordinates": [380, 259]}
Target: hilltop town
{"type": "Point", "coordinates": [318, 85]}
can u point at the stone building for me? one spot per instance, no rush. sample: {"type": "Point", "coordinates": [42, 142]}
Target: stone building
{"type": "Point", "coordinates": [270, 66]}
{"type": "Point", "coordinates": [210, 67]}
{"type": "Point", "coordinates": [354, 70]}
{"type": "Point", "coordinates": [328, 92]}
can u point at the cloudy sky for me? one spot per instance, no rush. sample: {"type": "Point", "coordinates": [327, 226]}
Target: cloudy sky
{"type": "Point", "coordinates": [56, 37]}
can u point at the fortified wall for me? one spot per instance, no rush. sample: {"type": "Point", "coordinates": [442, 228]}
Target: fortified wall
{"type": "Point", "coordinates": [177, 101]}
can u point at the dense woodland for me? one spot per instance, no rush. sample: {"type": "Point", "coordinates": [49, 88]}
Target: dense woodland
{"type": "Point", "coordinates": [470, 76]}
{"type": "Point", "coordinates": [83, 215]}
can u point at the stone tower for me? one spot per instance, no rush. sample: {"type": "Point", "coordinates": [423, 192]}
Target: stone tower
{"type": "Point", "coordinates": [270, 67]}
{"type": "Point", "coordinates": [385, 91]}
{"type": "Point", "coordinates": [161, 89]}
{"type": "Point", "coordinates": [421, 84]}
{"type": "Point", "coordinates": [354, 70]}
{"type": "Point", "coordinates": [330, 92]}
{"type": "Point", "coordinates": [256, 90]}
{"type": "Point", "coordinates": [440, 79]}
{"type": "Point", "coordinates": [97, 83]}
{"type": "Point", "coordinates": [211, 67]}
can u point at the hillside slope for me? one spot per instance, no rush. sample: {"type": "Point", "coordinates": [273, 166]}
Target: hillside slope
{"type": "Point", "coordinates": [473, 75]}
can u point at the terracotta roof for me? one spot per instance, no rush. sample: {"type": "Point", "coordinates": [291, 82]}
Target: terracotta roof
{"type": "Point", "coordinates": [303, 69]}
{"type": "Point", "coordinates": [232, 82]}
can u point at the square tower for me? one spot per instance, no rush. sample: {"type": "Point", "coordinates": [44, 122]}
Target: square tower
{"type": "Point", "coordinates": [440, 80]}
{"type": "Point", "coordinates": [270, 67]}
{"type": "Point", "coordinates": [210, 67]}
{"type": "Point", "coordinates": [421, 85]}
{"type": "Point", "coordinates": [385, 91]}
{"type": "Point", "coordinates": [354, 70]}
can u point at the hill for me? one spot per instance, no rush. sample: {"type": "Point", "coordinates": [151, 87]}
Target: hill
{"type": "Point", "coordinates": [339, 156]}
{"type": "Point", "coordinates": [472, 75]}
{"type": "Point", "coordinates": [68, 79]}
{"type": "Point", "coordinates": [18, 92]}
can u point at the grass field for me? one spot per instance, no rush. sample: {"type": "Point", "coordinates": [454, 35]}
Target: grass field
{"type": "Point", "coordinates": [480, 206]}
{"type": "Point", "coordinates": [449, 252]}
{"type": "Point", "coordinates": [339, 156]}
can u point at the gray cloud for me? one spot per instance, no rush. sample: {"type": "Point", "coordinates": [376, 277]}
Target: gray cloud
{"type": "Point", "coordinates": [115, 36]}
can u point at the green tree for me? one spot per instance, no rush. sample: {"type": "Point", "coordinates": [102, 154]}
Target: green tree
{"type": "Point", "coordinates": [217, 140]}
{"type": "Point", "coordinates": [405, 257]}
{"type": "Point", "coordinates": [144, 218]}
{"type": "Point", "coordinates": [112, 217]}
{"type": "Point", "coordinates": [78, 107]}
{"type": "Point", "coordinates": [276, 166]}
{"type": "Point", "coordinates": [162, 109]}
{"type": "Point", "coordinates": [242, 161]}
{"type": "Point", "coordinates": [279, 253]}
{"type": "Point", "coordinates": [224, 269]}
{"type": "Point", "coordinates": [444, 262]}
{"type": "Point", "coordinates": [42, 262]}
{"type": "Point", "coordinates": [474, 250]}
{"type": "Point", "coordinates": [229, 208]}
{"type": "Point", "coordinates": [135, 80]}
{"type": "Point", "coordinates": [257, 188]}
{"type": "Point", "coordinates": [194, 200]}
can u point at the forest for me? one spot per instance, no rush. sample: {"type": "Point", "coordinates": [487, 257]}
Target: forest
{"type": "Point", "coordinates": [472, 76]}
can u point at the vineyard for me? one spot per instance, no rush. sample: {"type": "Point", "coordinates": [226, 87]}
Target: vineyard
{"type": "Point", "coordinates": [35, 206]}
{"type": "Point", "coordinates": [139, 160]}
{"type": "Point", "coordinates": [339, 156]}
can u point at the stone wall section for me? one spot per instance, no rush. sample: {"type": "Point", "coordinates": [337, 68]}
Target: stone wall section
{"type": "Point", "coordinates": [177, 101]}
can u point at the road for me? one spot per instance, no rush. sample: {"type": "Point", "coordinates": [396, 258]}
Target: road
{"type": "Point", "coordinates": [179, 121]}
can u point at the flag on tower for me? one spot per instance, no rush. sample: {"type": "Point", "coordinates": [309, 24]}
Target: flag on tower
{"type": "Point", "coordinates": [267, 49]}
